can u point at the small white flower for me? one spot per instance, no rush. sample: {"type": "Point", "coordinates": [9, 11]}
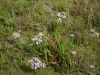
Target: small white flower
{"type": "Point", "coordinates": [72, 35]}
{"type": "Point", "coordinates": [16, 35]}
{"type": "Point", "coordinates": [63, 16]}
{"type": "Point", "coordinates": [74, 62]}
{"type": "Point", "coordinates": [19, 30]}
{"type": "Point", "coordinates": [31, 44]}
{"type": "Point", "coordinates": [59, 20]}
{"type": "Point", "coordinates": [94, 35]}
{"type": "Point", "coordinates": [73, 52]}
{"type": "Point", "coordinates": [35, 38]}
{"type": "Point", "coordinates": [40, 34]}
{"type": "Point", "coordinates": [92, 31]}
{"type": "Point", "coordinates": [43, 65]}
{"type": "Point", "coordinates": [38, 39]}
{"type": "Point", "coordinates": [37, 42]}
{"type": "Point", "coordinates": [59, 14]}
{"type": "Point", "coordinates": [35, 66]}
{"type": "Point", "coordinates": [92, 66]}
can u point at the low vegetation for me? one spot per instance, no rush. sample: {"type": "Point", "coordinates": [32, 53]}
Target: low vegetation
{"type": "Point", "coordinates": [63, 34]}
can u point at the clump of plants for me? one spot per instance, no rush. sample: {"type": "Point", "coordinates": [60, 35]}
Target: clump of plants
{"type": "Point", "coordinates": [63, 35]}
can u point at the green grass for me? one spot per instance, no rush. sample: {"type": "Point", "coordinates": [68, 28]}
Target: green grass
{"type": "Point", "coordinates": [34, 16]}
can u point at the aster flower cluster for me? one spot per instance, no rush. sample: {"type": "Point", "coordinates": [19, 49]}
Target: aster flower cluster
{"type": "Point", "coordinates": [94, 33]}
{"type": "Point", "coordinates": [60, 15]}
{"type": "Point", "coordinates": [38, 38]}
{"type": "Point", "coordinates": [16, 35]}
{"type": "Point", "coordinates": [36, 63]}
